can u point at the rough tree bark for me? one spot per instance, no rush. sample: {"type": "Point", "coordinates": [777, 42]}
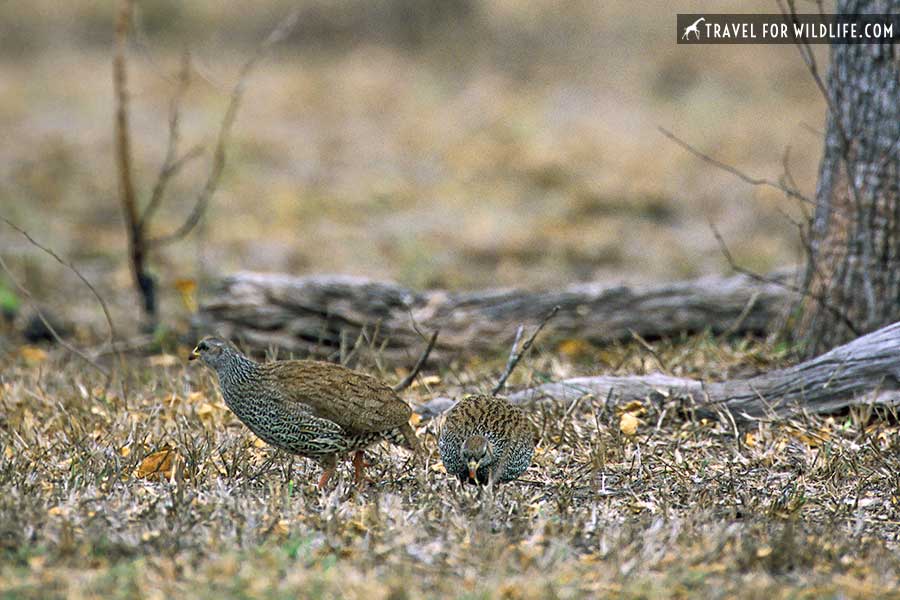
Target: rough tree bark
{"type": "Point", "coordinates": [853, 271]}
{"type": "Point", "coordinates": [316, 315]}
{"type": "Point", "coordinates": [863, 371]}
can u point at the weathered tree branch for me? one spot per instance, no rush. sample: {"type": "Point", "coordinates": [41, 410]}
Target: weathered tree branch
{"type": "Point", "coordinates": [863, 371]}
{"type": "Point", "coordinates": [311, 315]}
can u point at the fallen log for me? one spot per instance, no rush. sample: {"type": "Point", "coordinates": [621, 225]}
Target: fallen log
{"type": "Point", "coordinates": [315, 315]}
{"type": "Point", "coordinates": [866, 370]}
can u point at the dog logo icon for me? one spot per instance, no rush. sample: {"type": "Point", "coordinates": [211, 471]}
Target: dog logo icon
{"type": "Point", "coordinates": [693, 28]}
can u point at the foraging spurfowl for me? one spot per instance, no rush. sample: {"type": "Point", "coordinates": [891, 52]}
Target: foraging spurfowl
{"type": "Point", "coordinates": [486, 440]}
{"type": "Point", "coordinates": [314, 409]}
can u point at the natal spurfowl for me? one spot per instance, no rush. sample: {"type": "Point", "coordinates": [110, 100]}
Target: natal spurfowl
{"type": "Point", "coordinates": [314, 409]}
{"type": "Point", "coordinates": [486, 440]}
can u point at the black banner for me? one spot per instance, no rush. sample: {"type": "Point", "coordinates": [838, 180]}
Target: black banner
{"type": "Point", "coordinates": [787, 29]}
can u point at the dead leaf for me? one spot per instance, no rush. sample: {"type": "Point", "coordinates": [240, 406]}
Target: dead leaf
{"type": "Point", "coordinates": [188, 290]}
{"type": "Point", "coordinates": [205, 410]}
{"type": "Point", "coordinates": [125, 451]}
{"type": "Point", "coordinates": [158, 465]}
{"type": "Point", "coordinates": [750, 440]}
{"type": "Point", "coordinates": [628, 423]}
{"type": "Point", "coordinates": [635, 407]}
{"type": "Point", "coordinates": [32, 355]}
{"type": "Point", "coordinates": [281, 527]}
{"type": "Point", "coordinates": [575, 348]}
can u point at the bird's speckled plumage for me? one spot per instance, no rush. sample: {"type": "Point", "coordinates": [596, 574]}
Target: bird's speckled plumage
{"type": "Point", "coordinates": [314, 409]}
{"type": "Point", "coordinates": [508, 434]}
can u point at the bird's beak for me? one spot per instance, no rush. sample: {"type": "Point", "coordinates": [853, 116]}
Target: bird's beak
{"type": "Point", "coordinates": [194, 355]}
{"type": "Point", "coordinates": [473, 468]}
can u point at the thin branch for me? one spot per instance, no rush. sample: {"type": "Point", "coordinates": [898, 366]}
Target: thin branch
{"type": "Point", "coordinates": [511, 361]}
{"type": "Point", "coordinates": [171, 163]}
{"type": "Point", "coordinates": [219, 154]}
{"type": "Point", "coordinates": [790, 192]}
{"type": "Point", "coordinates": [516, 355]}
{"type": "Point", "coordinates": [24, 291]}
{"type": "Point", "coordinates": [407, 381]}
{"type": "Point", "coordinates": [109, 322]}
{"type": "Point", "coordinates": [762, 278]}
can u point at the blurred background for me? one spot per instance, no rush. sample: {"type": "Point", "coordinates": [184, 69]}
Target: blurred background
{"type": "Point", "coordinates": [439, 143]}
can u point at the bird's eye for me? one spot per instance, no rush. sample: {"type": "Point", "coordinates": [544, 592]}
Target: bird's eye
{"type": "Point", "coordinates": [202, 346]}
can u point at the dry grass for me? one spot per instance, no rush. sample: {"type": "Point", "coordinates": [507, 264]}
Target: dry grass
{"type": "Point", "coordinates": [683, 508]}
{"type": "Point", "coordinates": [518, 149]}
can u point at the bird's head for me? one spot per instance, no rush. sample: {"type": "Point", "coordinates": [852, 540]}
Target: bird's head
{"type": "Point", "coordinates": [213, 352]}
{"type": "Point", "coordinates": [476, 453]}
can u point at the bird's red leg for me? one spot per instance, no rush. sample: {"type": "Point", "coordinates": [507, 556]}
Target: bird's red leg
{"type": "Point", "coordinates": [359, 467]}
{"type": "Point", "coordinates": [326, 474]}
{"type": "Point", "coordinates": [329, 464]}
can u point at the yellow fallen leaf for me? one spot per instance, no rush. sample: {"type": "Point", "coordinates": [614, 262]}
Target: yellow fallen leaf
{"type": "Point", "coordinates": [628, 423]}
{"type": "Point", "coordinates": [125, 451]}
{"type": "Point", "coordinates": [32, 355]}
{"type": "Point", "coordinates": [188, 290]}
{"type": "Point", "coordinates": [205, 410]}
{"type": "Point", "coordinates": [259, 443]}
{"type": "Point", "coordinates": [750, 440]}
{"type": "Point", "coordinates": [438, 468]}
{"type": "Point", "coordinates": [635, 407]}
{"type": "Point", "coordinates": [574, 348]}
{"type": "Point", "coordinates": [763, 551]}
{"type": "Point", "coordinates": [56, 511]}
{"type": "Point", "coordinates": [415, 419]}
{"type": "Point", "coordinates": [157, 465]}
{"type": "Point", "coordinates": [8, 453]}
{"type": "Point", "coordinates": [281, 527]}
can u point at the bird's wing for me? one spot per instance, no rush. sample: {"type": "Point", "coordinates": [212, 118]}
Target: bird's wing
{"type": "Point", "coordinates": [357, 402]}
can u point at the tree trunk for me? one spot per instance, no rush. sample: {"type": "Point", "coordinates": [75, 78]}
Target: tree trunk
{"type": "Point", "coordinates": [853, 272]}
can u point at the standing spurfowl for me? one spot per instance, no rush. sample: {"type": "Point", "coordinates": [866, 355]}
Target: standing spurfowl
{"type": "Point", "coordinates": [486, 440]}
{"type": "Point", "coordinates": [314, 409]}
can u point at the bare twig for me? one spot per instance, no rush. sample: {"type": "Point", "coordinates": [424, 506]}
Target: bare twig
{"type": "Point", "coordinates": [219, 153]}
{"type": "Point", "coordinates": [109, 322]}
{"type": "Point", "coordinates": [649, 348]}
{"type": "Point", "coordinates": [789, 191]}
{"type": "Point", "coordinates": [510, 362]}
{"type": "Point", "coordinates": [762, 278]}
{"type": "Point", "coordinates": [516, 355]}
{"type": "Point", "coordinates": [24, 291]}
{"type": "Point", "coordinates": [407, 381]}
{"type": "Point", "coordinates": [172, 163]}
